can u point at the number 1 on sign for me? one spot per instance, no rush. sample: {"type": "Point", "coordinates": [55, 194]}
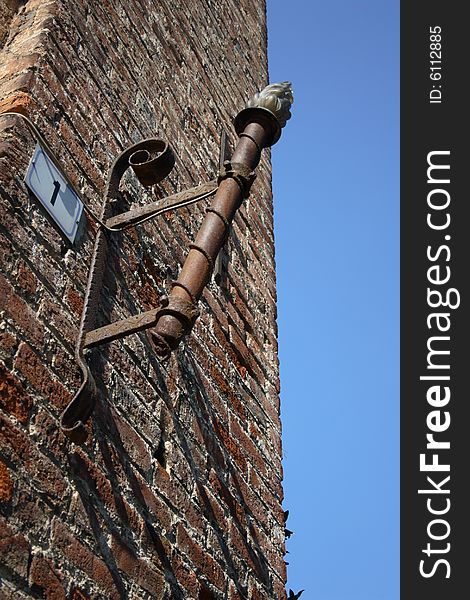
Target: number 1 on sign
{"type": "Point", "coordinates": [55, 192]}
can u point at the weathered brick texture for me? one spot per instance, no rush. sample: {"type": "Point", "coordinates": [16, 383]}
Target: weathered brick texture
{"type": "Point", "coordinates": [177, 491]}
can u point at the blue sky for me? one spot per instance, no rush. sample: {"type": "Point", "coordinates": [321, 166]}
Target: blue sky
{"type": "Point", "coordinates": [336, 198]}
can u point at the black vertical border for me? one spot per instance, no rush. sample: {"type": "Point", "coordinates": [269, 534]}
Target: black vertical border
{"type": "Point", "coordinates": [427, 127]}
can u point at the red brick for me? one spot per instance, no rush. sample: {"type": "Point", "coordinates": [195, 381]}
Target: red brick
{"type": "Point", "coordinates": [201, 559]}
{"type": "Point", "coordinates": [242, 549]}
{"type": "Point", "coordinates": [212, 508]}
{"type": "Point", "coordinates": [74, 301]}
{"type": "Point", "coordinates": [132, 442]}
{"type": "Point", "coordinates": [12, 87]}
{"type": "Point", "coordinates": [26, 279]}
{"type": "Point", "coordinates": [246, 498]}
{"type": "Point", "coordinates": [153, 542]}
{"type": "Point", "coordinates": [43, 575]}
{"type": "Point", "coordinates": [13, 397]}
{"type": "Point", "coordinates": [233, 352]}
{"type": "Point", "coordinates": [232, 448]}
{"type": "Point", "coordinates": [209, 353]}
{"type": "Point", "coordinates": [40, 378]}
{"type": "Point", "coordinates": [79, 595]}
{"type": "Point", "coordinates": [233, 593]}
{"type": "Point", "coordinates": [19, 101]}
{"type": "Point", "coordinates": [156, 506]}
{"type": "Point", "coordinates": [45, 431]}
{"type": "Point", "coordinates": [43, 472]}
{"type": "Point", "coordinates": [8, 343]}
{"type": "Point", "coordinates": [235, 320]}
{"type": "Point", "coordinates": [84, 559]}
{"type": "Point", "coordinates": [20, 312]}
{"type": "Point", "coordinates": [54, 316]}
{"type": "Point", "coordinates": [258, 594]}
{"type": "Point", "coordinates": [33, 514]}
{"type": "Point", "coordinates": [279, 585]}
{"type": "Point", "coordinates": [253, 454]}
{"type": "Point", "coordinates": [137, 569]}
{"type": "Point", "coordinates": [14, 550]}
{"type": "Point", "coordinates": [221, 381]}
{"type": "Point", "coordinates": [6, 484]}
{"type": "Point", "coordinates": [245, 356]}
{"type": "Point", "coordinates": [78, 155]}
{"type": "Point", "coordinates": [7, 253]}
{"type": "Point", "coordinates": [95, 480]}
{"type": "Point", "coordinates": [221, 491]}
{"type": "Point", "coordinates": [185, 576]}
{"type": "Point", "coordinates": [10, 591]}
{"type": "Point", "coordinates": [216, 310]}
{"type": "Point", "coordinates": [272, 550]}
{"type": "Point", "coordinates": [64, 363]}
{"type": "Point", "coordinates": [240, 303]}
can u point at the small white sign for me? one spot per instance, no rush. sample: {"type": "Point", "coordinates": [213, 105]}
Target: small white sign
{"type": "Point", "coordinates": [54, 192]}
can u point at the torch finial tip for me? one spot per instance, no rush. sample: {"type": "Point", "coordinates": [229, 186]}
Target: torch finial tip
{"type": "Point", "coordinates": [277, 98]}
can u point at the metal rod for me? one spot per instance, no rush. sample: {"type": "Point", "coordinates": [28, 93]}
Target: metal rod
{"type": "Point", "coordinates": [136, 215]}
{"type": "Point", "coordinates": [258, 126]}
{"type": "Point", "coordinates": [119, 329]}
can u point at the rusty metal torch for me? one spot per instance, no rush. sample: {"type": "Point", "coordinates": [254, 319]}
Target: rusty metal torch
{"type": "Point", "coordinates": [258, 126]}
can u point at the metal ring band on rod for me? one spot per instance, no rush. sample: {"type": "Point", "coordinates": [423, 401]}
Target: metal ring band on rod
{"type": "Point", "coordinates": [223, 219]}
{"type": "Point", "coordinates": [181, 309]}
{"type": "Point", "coordinates": [221, 216]}
{"type": "Point", "coordinates": [247, 135]}
{"type": "Point", "coordinates": [204, 253]}
{"type": "Point", "coordinates": [186, 289]}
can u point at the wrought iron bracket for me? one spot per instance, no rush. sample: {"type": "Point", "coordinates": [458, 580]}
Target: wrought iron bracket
{"type": "Point", "coordinates": [152, 160]}
{"type": "Point", "coordinates": [258, 126]}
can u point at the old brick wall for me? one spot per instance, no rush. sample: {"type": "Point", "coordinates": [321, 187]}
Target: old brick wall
{"type": "Point", "coordinates": [177, 492]}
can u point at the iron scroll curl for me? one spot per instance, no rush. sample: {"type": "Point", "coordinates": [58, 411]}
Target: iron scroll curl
{"type": "Point", "coordinates": [153, 161]}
